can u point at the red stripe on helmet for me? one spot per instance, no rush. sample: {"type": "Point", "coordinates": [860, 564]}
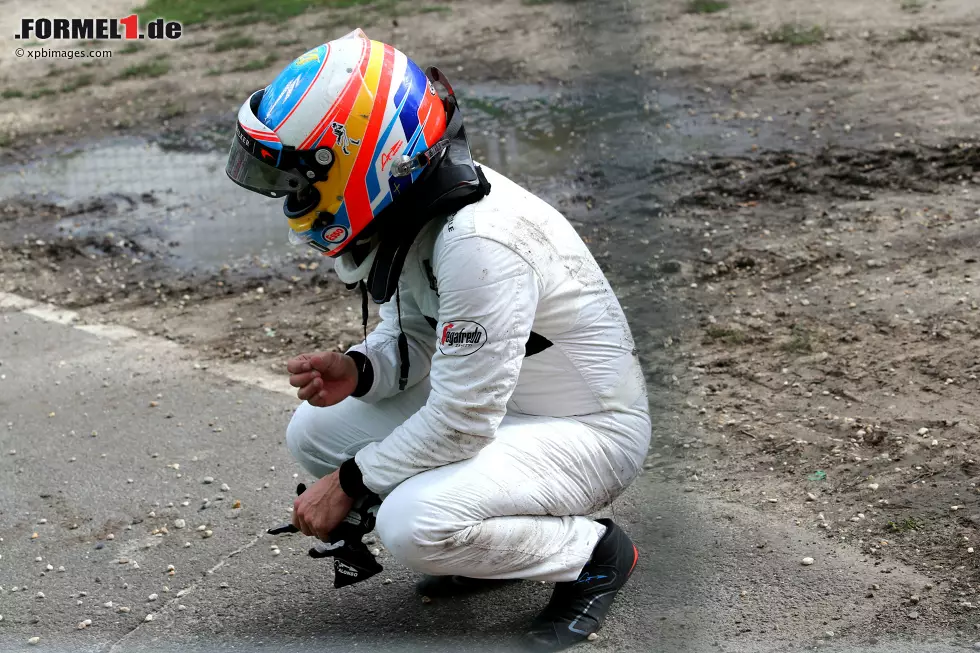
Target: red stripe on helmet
{"type": "Point", "coordinates": [260, 135]}
{"type": "Point", "coordinates": [356, 196]}
{"type": "Point", "coordinates": [344, 103]}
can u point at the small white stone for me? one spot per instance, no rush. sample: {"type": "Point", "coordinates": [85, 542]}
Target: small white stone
{"type": "Point", "coordinates": [181, 607]}
{"type": "Point", "coordinates": [38, 559]}
{"type": "Point", "coordinates": [151, 597]}
{"type": "Point", "coordinates": [40, 595]}
{"type": "Point", "coordinates": [202, 528]}
{"type": "Point", "coordinates": [592, 637]}
{"type": "Point", "coordinates": [50, 568]}
{"type": "Point", "coordinates": [387, 581]}
{"type": "Point", "coordinates": [82, 625]}
{"type": "Point", "coordinates": [34, 640]}
{"type": "Point", "coordinates": [179, 523]}
{"type": "Point", "coordinates": [807, 562]}
{"type": "Point", "coordinates": [187, 545]}
{"type": "Point", "coordinates": [207, 534]}
{"type": "Point", "coordinates": [873, 486]}
{"type": "Point", "coordinates": [375, 552]}
{"type": "Point", "coordinates": [276, 552]}
{"type": "Point", "coordinates": [182, 592]}
{"type": "Point", "coordinates": [225, 488]}
{"type": "Point", "coordinates": [969, 549]}
{"type": "Point", "coordinates": [923, 431]}
{"type": "Point", "coordinates": [123, 609]}
{"type": "Point", "coordinates": [149, 617]}
{"type": "Point", "coordinates": [42, 520]}
{"type": "Point", "coordinates": [223, 585]}
{"type": "Point", "coordinates": [107, 604]}
{"type": "Point", "coordinates": [171, 568]}
{"type": "Point", "coordinates": [110, 536]}
{"type": "Point", "coordinates": [207, 480]}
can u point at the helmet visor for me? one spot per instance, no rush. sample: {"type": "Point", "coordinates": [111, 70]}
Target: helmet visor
{"type": "Point", "coordinates": [246, 168]}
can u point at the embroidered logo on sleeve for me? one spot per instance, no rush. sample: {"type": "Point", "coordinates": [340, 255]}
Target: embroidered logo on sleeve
{"type": "Point", "coordinates": [461, 337]}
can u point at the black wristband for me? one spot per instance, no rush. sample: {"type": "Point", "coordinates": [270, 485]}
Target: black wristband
{"type": "Point", "coordinates": [365, 373]}
{"type": "Point", "coordinates": [351, 481]}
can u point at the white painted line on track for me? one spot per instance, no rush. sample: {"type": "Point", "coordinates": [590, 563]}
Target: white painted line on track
{"type": "Point", "coordinates": [240, 372]}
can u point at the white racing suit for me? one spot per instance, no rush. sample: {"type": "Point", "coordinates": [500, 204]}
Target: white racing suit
{"type": "Point", "coordinates": [525, 410]}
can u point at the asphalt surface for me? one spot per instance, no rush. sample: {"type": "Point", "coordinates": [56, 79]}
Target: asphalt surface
{"type": "Point", "coordinates": [97, 426]}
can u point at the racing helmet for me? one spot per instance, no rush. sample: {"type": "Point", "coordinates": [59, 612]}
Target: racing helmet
{"type": "Point", "coordinates": [340, 134]}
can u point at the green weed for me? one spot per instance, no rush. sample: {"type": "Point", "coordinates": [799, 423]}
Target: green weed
{"type": "Point", "coordinates": [41, 92]}
{"type": "Point", "coordinates": [800, 342]}
{"type": "Point", "coordinates": [731, 336]}
{"type": "Point", "coordinates": [255, 64]}
{"type": "Point", "coordinates": [234, 41]}
{"type": "Point", "coordinates": [146, 69]}
{"type": "Point", "coordinates": [8, 93]}
{"type": "Point", "coordinates": [741, 26]}
{"type": "Point", "coordinates": [173, 110]}
{"type": "Point", "coordinates": [796, 35]}
{"type": "Point", "coordinates": [237, 12]}
{"type": "Point", "coordinates": [706, 6]}
{"type": "Point", "coordinates": [77, 82]}
{"type": "Point", "coordinates": [906, 525]}
{"type": "Point", "coordinates": [913, 35]}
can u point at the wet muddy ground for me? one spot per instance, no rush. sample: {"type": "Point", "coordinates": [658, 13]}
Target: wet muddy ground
{"type": "Point", "coordinates": [784, 197]}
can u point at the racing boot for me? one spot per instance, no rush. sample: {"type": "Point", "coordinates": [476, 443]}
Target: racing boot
{"type": "Point", "coordinates": [448, 586]}
{"type": "Point", "coordinates": [577, 608]}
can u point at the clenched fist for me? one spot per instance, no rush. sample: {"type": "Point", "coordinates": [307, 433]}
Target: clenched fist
{"type": "Point", "coordinates": [324, 379]}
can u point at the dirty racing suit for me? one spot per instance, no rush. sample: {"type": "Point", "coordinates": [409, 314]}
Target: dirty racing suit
{"type": "Point", "coordinates": [525, 408]}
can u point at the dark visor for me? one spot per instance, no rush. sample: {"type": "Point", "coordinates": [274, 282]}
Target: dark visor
{"type": "Point", "coordinates": [247, 170]}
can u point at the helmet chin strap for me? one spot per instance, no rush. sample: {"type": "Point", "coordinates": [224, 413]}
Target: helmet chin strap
{"type": "Point", "coordinates": [349, 271]}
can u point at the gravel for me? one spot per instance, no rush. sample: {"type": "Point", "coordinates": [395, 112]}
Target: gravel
{"type": "Point", "coordinates": [806, 562]}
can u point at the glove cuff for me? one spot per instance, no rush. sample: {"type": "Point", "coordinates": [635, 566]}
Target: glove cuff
{"type": "Point", "coordinates": [365, 373]}
{"type": "Point", "coordinates": [351, 481]}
